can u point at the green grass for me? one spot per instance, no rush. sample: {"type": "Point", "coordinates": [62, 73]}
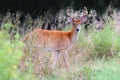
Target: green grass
{"type": "Point", "coordinates": [102, 42]}
{"type": "Point", "coordinates": [95, 56]}
{"type": "Point", "coordinates": [107, 70]}
{"type": "Point", "coordinates": [11, 52]}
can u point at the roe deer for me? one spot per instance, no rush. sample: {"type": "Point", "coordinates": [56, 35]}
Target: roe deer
{"type": "Point", "coordinates": [55, 40]}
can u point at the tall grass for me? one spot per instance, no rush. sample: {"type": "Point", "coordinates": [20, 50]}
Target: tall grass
{"type": "Point", "coordinates": [91, 58]}
{"type": "Point", "coordinates": [11, 52]}
{"type": "Point", "coordinates": [109, 70]}
{"type": "Point", "coordinates": [102, 42]}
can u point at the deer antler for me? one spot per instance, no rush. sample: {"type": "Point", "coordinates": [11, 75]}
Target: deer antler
{"type": "Point", "coordinates": [70, 12]}
{"type": "Point", "coordinates": [77, 16]}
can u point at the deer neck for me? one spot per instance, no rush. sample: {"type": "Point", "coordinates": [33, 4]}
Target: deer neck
{"type": "Point", "coordinates": [74, 34]}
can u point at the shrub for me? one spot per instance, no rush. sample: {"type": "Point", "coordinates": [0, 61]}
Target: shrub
{"type": "Point", "coordinates": [116, 45]}
{"type": "Point", "coordinates": [11, 52]}
{"type": "Point", "coordinates": [102, 42]}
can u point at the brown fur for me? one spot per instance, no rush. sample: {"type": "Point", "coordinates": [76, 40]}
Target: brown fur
{"type": "Point", "coordinates": [51, 40]}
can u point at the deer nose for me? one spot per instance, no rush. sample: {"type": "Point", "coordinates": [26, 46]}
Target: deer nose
{"type": "Point", "coordinates": [77, 29]}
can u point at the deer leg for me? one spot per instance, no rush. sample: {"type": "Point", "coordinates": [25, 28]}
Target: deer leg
{"type": "Point", "coordinates": [56, 58]}
{"type": "Point", "coordinates": [65, 59]}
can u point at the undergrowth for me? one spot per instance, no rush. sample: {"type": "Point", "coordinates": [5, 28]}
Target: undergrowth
{"type": "Point", "coordinates": [11, 52]}
{"type": "Point", "coordinates": [107, 70]}
{"type": "Point", "coordinates": [91, 58]}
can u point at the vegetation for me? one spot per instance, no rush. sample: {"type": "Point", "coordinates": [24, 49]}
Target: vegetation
{"type": "Point", "coordinates": [95, 56]}
{"type": "Point", "coordinates": [11, 52]}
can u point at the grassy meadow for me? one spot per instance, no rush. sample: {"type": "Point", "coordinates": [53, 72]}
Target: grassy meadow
{"type": "Point", "coordinates": [95, 55]}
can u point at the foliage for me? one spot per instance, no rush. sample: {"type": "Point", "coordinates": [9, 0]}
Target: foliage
{"type": "Point", "coordinates": [106, 42]}
{"type": "Point", "coordinates": [110, 70]}
{"type": "Point", "coordinates": [98, 44]}
{"type": "Point", "coordinates": [11, 52]}
{"type": "Point", "coordinates": [102, 41]}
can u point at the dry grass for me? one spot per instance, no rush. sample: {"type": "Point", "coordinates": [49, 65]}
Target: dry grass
{"type": "Point", "coordinates": [80, 55]}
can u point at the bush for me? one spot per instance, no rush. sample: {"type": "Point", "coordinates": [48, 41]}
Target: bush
{"type": "Point", "coordinates": [102, 42]}
{"type": "Point", "coordinates": [116, 45]}
{"type": "Point", "coordinates": [106, 42]}
{"type": "Point", "coordinates": [11, 52]}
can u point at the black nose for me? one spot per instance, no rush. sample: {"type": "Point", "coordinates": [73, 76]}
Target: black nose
{"type": "Point", "coordinates": [77, 29]}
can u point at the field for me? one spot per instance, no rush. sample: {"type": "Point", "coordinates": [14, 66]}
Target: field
{"type": "Point", "coordinates": [95, 55]}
